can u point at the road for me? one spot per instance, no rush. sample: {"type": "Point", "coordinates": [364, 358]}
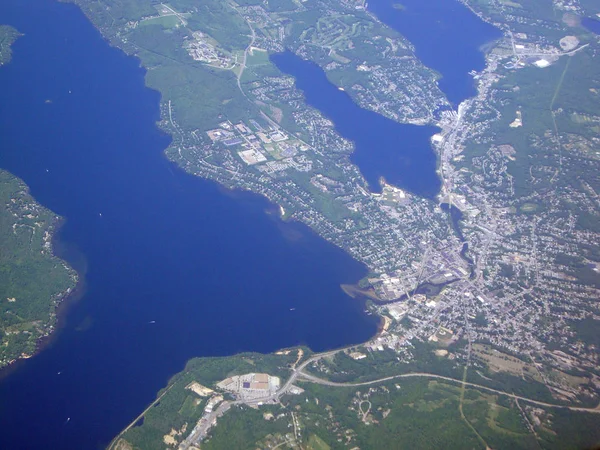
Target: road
{"type": "Point", "coordinates": [243, 65]}
{"type": "Point", "coordinates": [298, 374]}
{"type": "Point", "coordinates": [175, 13]}
{"type": "Point", "coordinates": [141, 416]}
{"type": "Point", "coordinates": [203, 426]}
{"type": "Point", "coordinates": [541, 54]}
{"type": "Point", "coordinates": [315, 379]}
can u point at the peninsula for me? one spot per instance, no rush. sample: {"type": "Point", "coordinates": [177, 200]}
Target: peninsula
{"type": "Point", "coordinates": [8, 35]}
{"type": "Point", "coordinates": [32, 280]}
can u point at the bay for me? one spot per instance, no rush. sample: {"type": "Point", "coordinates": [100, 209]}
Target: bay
{"type": "Point", "coordinates": [447, 36]}
{"type": "Point", "coordinates": [399, 153]}
{"type": "Point", "coordinates": [176, 267]}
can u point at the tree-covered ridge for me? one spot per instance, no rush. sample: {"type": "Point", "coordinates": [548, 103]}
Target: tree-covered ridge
{"type": "Point", "coordinates": [32, 280]}
{"type": "Point", "coordinates": [8, 35]}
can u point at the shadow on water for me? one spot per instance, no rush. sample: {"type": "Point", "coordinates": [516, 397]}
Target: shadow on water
{"type": "Point", "coordinates": [175, 269]}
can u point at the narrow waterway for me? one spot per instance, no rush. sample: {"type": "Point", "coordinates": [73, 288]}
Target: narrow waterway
{"type": "Point", "coordinates": [176, 268]}
{"type": "Point", "coordinates": [455, 216]}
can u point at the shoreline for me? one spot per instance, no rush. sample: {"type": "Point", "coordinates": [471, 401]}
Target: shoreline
{"type": "Point", "coordinates": [61, 302]}
{"type": "Point", "coordinates": [278, 211]}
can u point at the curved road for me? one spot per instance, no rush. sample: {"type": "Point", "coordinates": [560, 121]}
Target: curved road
{"type": "Point", "coordinates": [314, 379]}
{"type": "Point", "coordinates": [298, 374]}
{"type": "Point", "coordinates": [243, 65]}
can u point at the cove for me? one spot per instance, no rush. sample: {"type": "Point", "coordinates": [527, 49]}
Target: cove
{"type": "Point", "coordinates": [176, 268]}
{"type": "Point", "coordinates": [447, 36]}
{"type": "Point", "coordinates": [401, 154]}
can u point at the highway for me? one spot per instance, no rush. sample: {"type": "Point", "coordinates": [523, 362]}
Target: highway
{"type": "Point", "coordinates": [249, 48]}
{"type": "Point", "coordinates": [314, 379]}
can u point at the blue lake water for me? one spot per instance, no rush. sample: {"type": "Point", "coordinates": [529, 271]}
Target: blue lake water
{"type": "Point", "coordinates": [215, 272]}
{"type": "Point", "coordinates": [591, 24]}
{"type": "Point", "coordinates": [447, 37]}
{"type": "Point", "coordinates": [402, 154]}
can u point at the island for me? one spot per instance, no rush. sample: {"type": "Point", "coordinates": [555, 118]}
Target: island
{"type": "Point", "coordinates": [489, 304]}
{"type": "Point", "coordinates": [33, 281]}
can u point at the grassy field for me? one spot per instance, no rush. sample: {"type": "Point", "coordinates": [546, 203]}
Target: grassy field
{"type": "Point", "coordinates": [502, 362]}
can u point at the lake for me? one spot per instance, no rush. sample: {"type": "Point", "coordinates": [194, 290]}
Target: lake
{"type": "Point", "coordinates": [591, 24]}
{"type": "Point", "coordinates": [400, 153]}
{"type": "Point", "coordinates": [176, 266]}
{"type": "Point", "coordinates": [447, 37]}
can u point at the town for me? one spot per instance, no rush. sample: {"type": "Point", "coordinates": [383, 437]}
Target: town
{"type": "Point", "coordinates": [508, 271]}
{"type": "Point", "coordinates": [516, 277]}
